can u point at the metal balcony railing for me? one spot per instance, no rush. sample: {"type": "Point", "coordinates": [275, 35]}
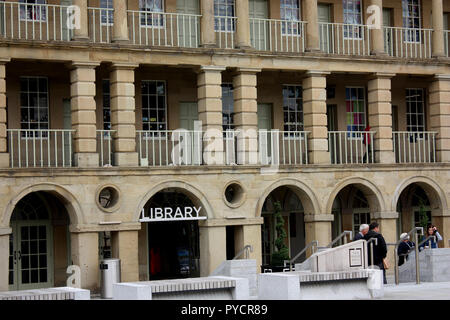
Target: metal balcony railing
{"type": "Point", "coordinates": [277, 35]}
{"type": "Point", "coordinates": [105, 147]}
{"type": "Point", "coordinates": [101, 23]}
{"type": "Point", "coordinates": [225, 29]}
{"type": "Point", "coordinates": [349, 147]}
{"type": "Point", "coordinates": [344, 39]}
{"type": "Point", "coordinates": [447, 42]}
{"type": "Point", "coordinates": [283, 147]}
{"type": "Point", "coordinates": [413, 147]}
{"type": "Point", "coordinates": [407, 42]}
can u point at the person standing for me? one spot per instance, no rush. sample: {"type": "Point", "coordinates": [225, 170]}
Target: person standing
{"type": "Point", "coordinates": [379, 250]}
{"type": "Point", "coordinates": [430, 243]}
{"type": "Point", "coordinates": [404, 248]}
{"type": "Point", "coordinates": [363, 229]}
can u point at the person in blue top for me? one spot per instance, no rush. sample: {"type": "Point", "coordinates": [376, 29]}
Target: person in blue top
{"type": "Point", "coordinates": [430, 243]}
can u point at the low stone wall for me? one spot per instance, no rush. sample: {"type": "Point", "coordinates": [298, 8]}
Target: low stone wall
{"type": "Point", "coordinates": [62, 293]}
{"type": "Point", "coordinates": [208, 288]}
{"type": "Point", "coordinates": [434, 265]}
{"type": "Point", "coordinates": [303, 285]}
{"type": "Point", "coordinates": [240, 268]}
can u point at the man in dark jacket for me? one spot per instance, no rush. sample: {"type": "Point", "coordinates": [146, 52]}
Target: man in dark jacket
{"type": "Point", "coordinates": [363, 229]}
{"type": "Point", "coordinates": [379, 250]}
{"type": "Point", "coordinates": [404, 248]}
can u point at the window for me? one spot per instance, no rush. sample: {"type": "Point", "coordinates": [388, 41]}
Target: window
{"type": "Point", "coordinates": [154, 110]}
{"type": "Point", "coordinates": [293, 108]}
{"type": "Point", "coordinates": [352, 15]}
{"type": "Point", "coordinates": [356, 110]}
{"type": "Point", "coordinates": [223, 13]}
{"type": "Point", "coordinates": [227, 107]}
{"type": "Point", "coordinates": [107, 15]}
{"type": "Point", "coordinates": [150, 17]}
{"type": "Point", "coordinates": [106, 106]}
{"type": "Point", "coordinates": [290, 11]}
{"type": "Point", "coordinates": [415, 113]}
{"type": "Point", "coordinates": [411, 20]}
{"type": "Point", "coordinates": [33, 104]}
{"type": "Point", "coordinates": [34, 10]}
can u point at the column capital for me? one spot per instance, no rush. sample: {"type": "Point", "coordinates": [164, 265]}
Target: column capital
{"type": "Point", "coordinates": [5, 231]}
{"type": "Point", "coordinates": [211, 68]}
{"type": "Point", "coordinates": [247, 70]}
{"type": "Point", "coordinates": [442, 77]}
{"type": "Point", "coordinates": [384, 215]}
{"type": "Point", "coordinates": [123, 66]}
{"type": "Point", "coordinates": [384, 75]}
{"type": "Point", "coordinates": [4, 60]}
{"type": "Point", "coordinates": [83, 64]}
{"type": "Point", "coordinates": [316, 73]}
{"type": "Point", "coordinates": [319, 217]}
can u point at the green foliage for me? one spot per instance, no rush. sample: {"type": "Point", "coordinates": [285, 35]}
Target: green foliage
{"type": "Point", "coordinates": [282, 251]}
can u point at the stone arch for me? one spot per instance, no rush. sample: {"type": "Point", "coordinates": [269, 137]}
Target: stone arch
{"type": "Point", "coordinates": [66, 197]}
{"type": "Point", "coordinates": [304, 193]}
{"type": "Point", "coordinates": [197, 197]}
{"type": "Point", "coordinates": [370, 191]}
{"type": "Point", "coordinates": [433, 190]}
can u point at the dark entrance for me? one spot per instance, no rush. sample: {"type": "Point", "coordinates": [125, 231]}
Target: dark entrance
{"type": "Point", "coordinates": [173, 246]}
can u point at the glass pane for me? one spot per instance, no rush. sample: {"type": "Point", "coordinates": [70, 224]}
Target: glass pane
{"type": "Point", "coordinates": [24, 247]}
{"type": "Point", "coordinates": [25, 277]}
{"type": "Point", "coordinates": [33, 232]}
{"type": "Point", "coordinates": [42, 232]}
{"type": "Point", "coordinates": [34, 276]}
{"type": "Point", "coordinates": [25, 262]}
{"type": "Point", "coordinates": [42, 246]}
{"type": "Point", "coordinates": [43, 275]}
{"type": "Point", "coordinates": [42, 261]}
{"type": "Point", "coordinates": [34, 261]}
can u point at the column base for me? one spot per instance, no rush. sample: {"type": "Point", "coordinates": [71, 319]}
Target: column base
{"type": "Point", "coordinates": [126, 159]}
{"type": "Point", "coordinates": [81, 38]}
{"type": "Point", "coordinates": [319, 157]}
{"type": "Point", "coordinates": [121, 40]}
{"type": "Point", "coordinates": [384, 156]}
{"type": "Point", "coordinates": [243, 46]}
{"type": "Point", "coordinates": [4, 160]}
{"type": "Point", "coordinates": [86, 160]}
{"type": "Point", "coordinates": [208, 45]}
{"type": "Point", "coordinates": [313, 50]}
{"type": "Point", "coordinates": [378, 53]}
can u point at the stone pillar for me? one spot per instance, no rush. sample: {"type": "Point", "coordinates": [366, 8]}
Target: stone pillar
{"type": "Point", "coordinates": [82, 103]}
{"type": "Point", "coordinates": [120, 27]}
{"type": "Point", "coordinates": [124, 245]}
{"type": "Point", "coordinates": [123, 118]}
{"type": "Point", "coordinates": [318, 227]}
{"type": "Point", "coordinates": [209, 93]}
{"type": "Point", "coordinates": [213, 250]}
{"type": "Point", "coordinates": [376, 34]}
{"type": "Point", "coordinates": [243, 24]}
{"type": "Point", "coordinates": [208, 34]}
{"type": "Point", "coordinates": [85, 255]}
{"type": "Point", "coordinates": [4, 258]}
{"type": "Point", "coordinates": [438, 49]}
{"type": "Point", "coordinates": [4, 155]}
{"type": "Point", "coordinates": [312, 27]}
{"type": "Point", "coordinates": [315, 116]}
{"type": "Point", "coordinates": [439, 95]}
{"type": "Point", "coordinates": [82, 33]}
{"type": "Point", "coordinates": [388, 228]}
{"type": "Point", "coordinates": [380, 117]}
{"type": "Point", "coordinates": [250, 235]}
{"type": "Point", "coordinates": [245, 115]}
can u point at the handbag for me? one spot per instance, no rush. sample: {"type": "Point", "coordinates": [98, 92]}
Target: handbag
{"type": "Point", "coordinates": [385, 264]}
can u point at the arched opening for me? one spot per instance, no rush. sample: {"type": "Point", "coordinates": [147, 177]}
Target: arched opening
{"type": "Point", "coordinates": [170, 248]}
{"type": "Point", "coordinates": [292, 212]}
{"type": "Point", "coordinates": [39, 246]}
{"type": "Point", "coordinates": [351, 208]}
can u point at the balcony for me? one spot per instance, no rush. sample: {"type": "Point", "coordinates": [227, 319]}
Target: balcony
{"type": "Point", "coordinates": [344, 39]}
{"type": "Point", "coordinates": [351, 147]}
{"type": "Point", "coordinates": [414, 147]}
{"type": "Point", "coordinates": [408, 43]}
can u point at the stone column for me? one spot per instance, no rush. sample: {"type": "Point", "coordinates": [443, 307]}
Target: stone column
{"type": "Point", "coordinates": [438, 29]}
{"type": "Point", "coordinates": [312, 27]}
{"type": "Point", "coordinates": [376, 34]}
{"type": "Point", "coordinates": [318, 227]}
{"type": "Point", "coordinates": [82, 33]}
{"type": "Point", "coordinates": [209, 93]}
{"type": "Point", "coordinates": [315, 116]}
{"type": "Point", "coordinates": [4, 258]}
{"type": "Point", "coordinates": [85, 255]}
{"type": "Point", "coordinates": [388, 228]}
{"type": "Point", "coordinates": [213, 250]}
{"type": "Point", "coordinates": [208, 34]}
{"type": "Point", "coordinates": [4, 155]}
{"type": "Point", "coordinates": [380, 117]}
{"type": "Point", "coordinates": [82, 103]}
{"type": "Point", "coordinates": [120, 27]}
{"type": "Point", "coordinates": [439, 95]}
{"type": "Point", "coordinates": [123, 118]}
{"type": "Point", "coordinates": [243, 24]}
{"type": "Point", "coordinates": [245, 115]}
{"type": "Point", "coordinates": [250, 235]}
{"type": "Point", "coordinates": [124, 246]}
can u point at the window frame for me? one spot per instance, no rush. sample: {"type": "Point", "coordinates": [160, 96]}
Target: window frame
{"type": "Point", "coordinates": [288, 7]}
{"type": "Point", "coordinates": [418, 135]}
{"type": "Point", "coordinates": [225, 28]}
{"type": "Point", "coordinates": [161, 133]}
{"type": "Point", "coordinates": [143, 14]}
{"type": "Point", "coordinates": [350, 133]}
{"type": "Point", "coordinates": [106, 14]}
{"type": "Point", "coordinates": [287, 133]}
{"type": "Point", "coordinates": [44, 135]}
{"type": "Point", "coordinates": [415, 30]}
{"type": "Point", "coordinates": [347, 33]}
{"type": "Point", "coordinates": [229, 126]}
{"type": "Point", "coordinates": [24, 10]}
{"type": "Point", "coordinates": [108, 95]}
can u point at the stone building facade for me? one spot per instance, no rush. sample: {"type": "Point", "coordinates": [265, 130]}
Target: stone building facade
{"type": "Point", "coordinates": [344, 123]}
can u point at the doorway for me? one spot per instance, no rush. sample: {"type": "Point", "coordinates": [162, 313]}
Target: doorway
{"type": "Point", "coordinates": [259, 26]}
{"type": "Point", "coordinates": [191, 141]}
{"type": "Point", "coordinates": [387, 22]}
{"type": "Point", "coordinates": [325, 33]}
{"type": "Point", "coordinates": [188, 30]}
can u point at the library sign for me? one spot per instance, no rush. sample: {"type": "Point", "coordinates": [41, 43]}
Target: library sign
{"type": "Point", "coordinates": [171, 214]}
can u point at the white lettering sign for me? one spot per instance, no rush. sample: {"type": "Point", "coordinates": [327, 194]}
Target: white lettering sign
{"type": "Point", "coordinates": [171, 214]}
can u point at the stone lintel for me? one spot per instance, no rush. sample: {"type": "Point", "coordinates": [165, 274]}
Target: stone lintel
{"type": "Point", "coordinates": [125, 226]}
{"type": "Point", "coordinates": [384, 215]}
{"type": "Point", "coordinates": [5, 231]}
{"type": "Point", "coordinates": [230, 222]}
{"type": "Point", "coordinates": [4, 60]}
{"type": "Point", "coordinates": [319, 217]}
